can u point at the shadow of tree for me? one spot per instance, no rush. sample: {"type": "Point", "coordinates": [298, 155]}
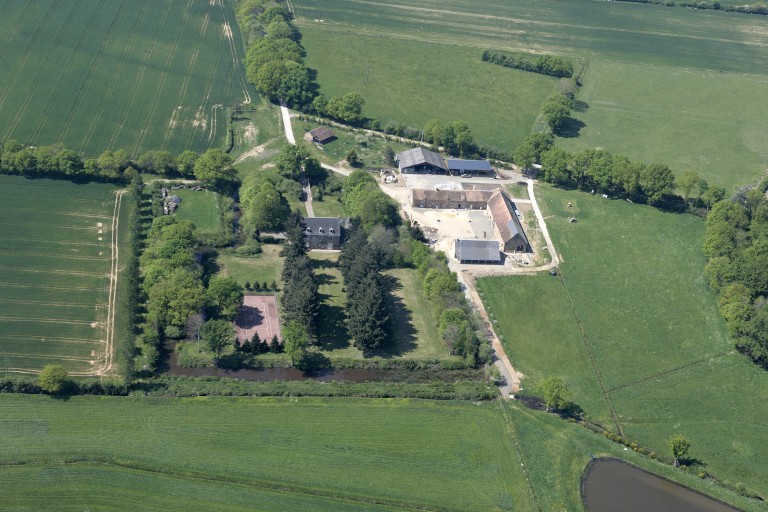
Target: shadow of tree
{"type": "Point", "coordinates": [580, 106]}
{"type": "Point", "coordinates": [570, 128]}
{"type": "Point", "coordinates": [402, 333]}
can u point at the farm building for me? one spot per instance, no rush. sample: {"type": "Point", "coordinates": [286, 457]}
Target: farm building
{"type": "Point", "coordinates": [420, 160]}
{"type": "Point", "coordinates": [485, 252]}
{"type": "Point", "coordinates": [450, 199]}
{"type": "Point", "coordinates": [506, 225]}
{"type": "Point", "coordinates": [469, 167]}
{"type": "Point", "coordinates": [324, 232]}
{"type": "Point", "coordinates": [319, 135]}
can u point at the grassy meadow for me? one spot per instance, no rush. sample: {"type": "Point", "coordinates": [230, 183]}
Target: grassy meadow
{"type": "Point", "coordinates": [679, 86]}
{"type": "Point", "coordinates": [56, 244]}
{"type": "Point", "coordinates": [97, 75]}
{"type": "Point", "coordinates": [265, 267]}
{"type": "Point", "coordinates": [367, 454]}
{"type": "Point", "coordinates": [632, 327]}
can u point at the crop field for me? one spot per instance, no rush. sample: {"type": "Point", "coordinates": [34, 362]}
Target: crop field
{"type": "Point", "coordinates": [635, 332]}
{"type": "Point", "coordinates": [382, 454]}
{"type": "Point", "coordinates": [137, 75]}
{"type": "Point", "coordinates": [661, 85]}
{"type": "Point", "coordinates": [59, 275]}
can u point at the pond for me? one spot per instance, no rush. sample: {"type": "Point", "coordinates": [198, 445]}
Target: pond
{"type": "Point", "coordinates": [611, 485]}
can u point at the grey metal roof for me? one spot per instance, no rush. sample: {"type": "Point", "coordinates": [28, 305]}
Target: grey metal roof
{"type": "Point", "coordinates": [478, 250]}
{"type": "Point", "coordinates": [456, 164]}
{"type": "Point", "coordinates": [314, 225]}
{"type": "Point", "coordinates": [322, 133]}
{"type": "Point", "coordinates": [419, 156]}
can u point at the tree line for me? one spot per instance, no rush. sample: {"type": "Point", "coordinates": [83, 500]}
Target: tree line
{"type": "Point", "coordinates": [736, 246]}
{"type": "Point", "coordinates": [551, 65]}
{"type": "Point", "coordinates": [754, 8]}
{"type": "Point", "coordinates": [597, 170]}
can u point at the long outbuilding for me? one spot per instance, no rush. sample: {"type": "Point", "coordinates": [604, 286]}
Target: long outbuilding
{"type": "Point", "coordinates": [421, 160]}
{"type": "Point", "coordinates": [484, 252]}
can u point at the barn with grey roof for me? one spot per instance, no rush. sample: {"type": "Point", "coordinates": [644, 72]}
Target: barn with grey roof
{"type": "Point", "coordinates": [485, 252]}
{"type": "Point", "coordinates": [419, 160]}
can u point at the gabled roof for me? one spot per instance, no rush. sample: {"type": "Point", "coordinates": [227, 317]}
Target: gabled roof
{"type": "Point", "coordinates": [314, 225]}
{"type": "Point", "coordinates": [504, 216]}
{"type": "Point", "coordinates": [420, 156]}
{"type": "Point", "coordinates": [478, 250]}
{"type": "Point", "coordinates": [456, 164]}
{"type": "Point", "coordinates": [462, 196]}
{"type": "Point", "coordinates": [321, 134]}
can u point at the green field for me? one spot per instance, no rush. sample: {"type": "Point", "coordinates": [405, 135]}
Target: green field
{"type": "Point", "coordinates": [632, 327]}
{"type": "Point", "coordinates": [678, 86]}
{"type": "Point", "coordinates": [57, 244]}
{"type": "Point", "coordinates": [128, 74]}
{"type": "Point", "coordinates": [401, 453]}
{"type": "Point", "coordinates": [266, 267]}
{"type": "Point", "coordinates": [200, 207]}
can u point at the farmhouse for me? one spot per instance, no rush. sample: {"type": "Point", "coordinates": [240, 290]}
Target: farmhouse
{"type": "Point", "coordinates": [469, 167]}
{"type": "Point", "coordinates": [506, 225]}
{"type": "Point", "coordinates": [450, 199]}
{"type": "Point", "coordinates": [319, 135]}
{"type": "Point", "coordinates": [485, 252]}
{"type": "Point", "coordinates": [324, 232]}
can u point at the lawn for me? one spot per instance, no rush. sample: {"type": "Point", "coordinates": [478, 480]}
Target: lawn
{"type": "Point", "coordinates": [57, 245]}
{"type": "Point", "coordinates": [412, 328]}
{"type": "Point", "coordinates": [631, 325]}
{"type": "Point", "coordinates": [369, 149]}
{"type": "Point", "coordinates": [201, 208]}
{"type": "Point", "coordinates": [265, 267]}
{"type": "Point", "coordinates": [678, 86]}
{"type": "Point", "coordinates": [412, 82]}
{"type": "Point", "coordinates": [136, 75]}
{"type": "Point", "coordinates": [365, 453]}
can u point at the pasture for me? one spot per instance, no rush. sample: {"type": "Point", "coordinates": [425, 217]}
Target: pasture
{"type": "Point", "coordinates": [680, 86]}
{"type": "Point", "coordinates": [633, 329]}
{"type": "Point", "coordinates": [59, 274]}
{"type": "Point", "coordinates": [200, 207]}
{"type": "Point", "coordinates": [97, 75]}
{"type": "Point", "coordinates": [362, 454]}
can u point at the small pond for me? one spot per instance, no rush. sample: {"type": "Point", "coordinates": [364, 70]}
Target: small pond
{"type": "Point", "coordinates": [611, 485]}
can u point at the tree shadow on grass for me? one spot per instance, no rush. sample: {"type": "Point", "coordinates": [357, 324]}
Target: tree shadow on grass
{"type": "Point", "coordinates": [570, 128]}
{"type": "Point", "coordinates": [580, 106]}
{"type": "Point", "coordinates": [331, 326]}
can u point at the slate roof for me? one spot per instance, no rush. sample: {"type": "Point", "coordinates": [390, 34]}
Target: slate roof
{"type": "Point", "coordinates": [420, 156]}
{"type": "Point", "coordinates": [321, 134]}
{"type": "Point", "coordinates": [314, 225]}
{"type": "Point", "coordinates": [505, 218]}
{"type": "Point", "coordinates": [478, 250]}
{"type": "Point", "coordinates": [461, 196]}
{"type": "Point", "coordinates": [456, 164]}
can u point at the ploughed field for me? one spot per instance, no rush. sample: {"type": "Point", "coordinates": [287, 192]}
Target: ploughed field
{"type": "Point", "coordinates": [632, 327]}
{"type": "Point", "coordinates": [57, 274]}
{"type": "Point", "coordinates": [122, 74]}
{"type": "Point", "coordinates": [677, 86]}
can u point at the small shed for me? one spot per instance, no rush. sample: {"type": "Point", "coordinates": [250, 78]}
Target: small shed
{"type": "Point", "coordinates": [319, 135]}
{"type": "Point", "coordinates": [483, 252]}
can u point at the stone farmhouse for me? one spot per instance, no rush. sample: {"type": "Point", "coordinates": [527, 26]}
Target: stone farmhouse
{"type": "Point", "coordinates": [451, 199]}
{"type": "Point", "coordinates": [324, 232]}
{"type": "Point", "coordinates": [506, 223]}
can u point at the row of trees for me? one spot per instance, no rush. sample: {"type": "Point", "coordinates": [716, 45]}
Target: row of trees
{"type": "Point", "coordinates": [736, 245]}
{"type": "Point", "coordinates": [347, 108]}
{"type": "Point", "coordinates": [455, 137]}
{"type": "Point", "coordinates": [274, 62]}
{"type": "Point", "coordinates": [300, 301]}
{"type": "Point", "coordinates": [366, 311]}
{"type": "Point", "coordinates": [544, 64]}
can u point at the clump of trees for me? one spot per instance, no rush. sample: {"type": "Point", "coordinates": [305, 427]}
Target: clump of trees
{"type": "Point", "coordinates": [363, 199]}
{"type": "Point", "coordinates": [455, 137]}
{"type": "Point", "coordinates": [274, 62]}
{"type": "Point", "coordinates": [736, 245]}
{"type": "Point", "coordinates": [53, 379]}
{"type": "Point", "coordinates": [367, 314]}
{"type": "Point", "coordinates": [551, 65]}
{"type": "Point", "coordinates": [347, 108]}
{"type": "Point", "coordinates": [557, 111]}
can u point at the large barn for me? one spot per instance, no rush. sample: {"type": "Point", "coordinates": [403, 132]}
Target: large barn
{"type": "Point", "coordinates": [450, 199]}
{"type": "Point", "coordinates": [420, 160]}
{"type": "Point", "coordinates": [506, 224]}
{"type": "Point", "coordinates": [469, 167]}
{"type": "Point", "coordinates": [484, 252]}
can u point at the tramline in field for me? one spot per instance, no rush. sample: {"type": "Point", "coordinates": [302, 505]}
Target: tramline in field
{"type": "Point", "coordinates": [58, 275]}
